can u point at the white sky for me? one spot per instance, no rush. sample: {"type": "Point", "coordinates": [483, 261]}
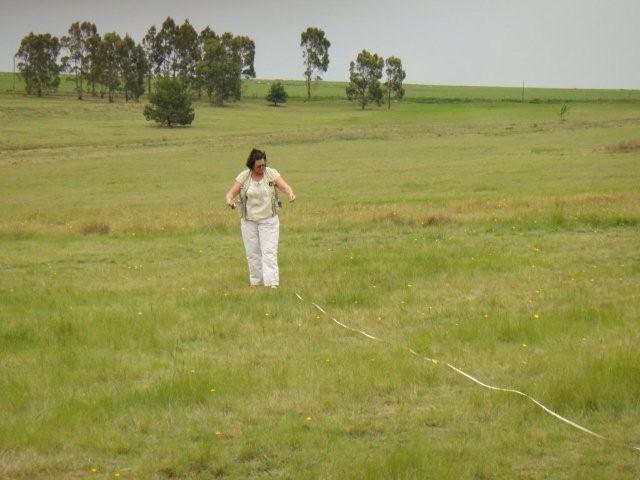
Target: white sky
{"type": "Point", "coordinates": [546, 43]}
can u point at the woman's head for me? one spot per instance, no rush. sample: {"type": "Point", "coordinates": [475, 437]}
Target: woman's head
{"type": "Point", "coordinates": [257, 160]}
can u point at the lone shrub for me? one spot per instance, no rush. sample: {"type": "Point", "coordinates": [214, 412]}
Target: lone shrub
{"type": "Point", "coordinates": [277, 94]}
{"type": "Point", "coordinates": [563, 111]}
{"type": "Point", "coordinates": [170, 104]}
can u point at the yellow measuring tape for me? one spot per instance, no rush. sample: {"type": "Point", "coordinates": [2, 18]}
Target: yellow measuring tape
{"type": "Point", "coordinates": [478, 382]}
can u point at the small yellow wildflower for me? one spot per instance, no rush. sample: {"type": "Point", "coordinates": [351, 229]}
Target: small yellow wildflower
{"type": "Point", "coordinates": [308, 419]}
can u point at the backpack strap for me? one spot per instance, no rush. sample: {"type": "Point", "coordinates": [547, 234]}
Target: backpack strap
{"type": "Point", "coordinates": [275, 200]}
{"type": "Point", "coordinates": [243, 194]}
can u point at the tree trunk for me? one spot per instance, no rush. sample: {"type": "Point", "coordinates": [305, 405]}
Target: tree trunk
{"type": "Point", "coordinates": [308, 87]}
{"type": "Point", "coordinates": [149, 85]}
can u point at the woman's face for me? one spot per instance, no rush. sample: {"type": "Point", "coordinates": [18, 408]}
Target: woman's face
{"type": "Point", "coordinates": [260, 165]}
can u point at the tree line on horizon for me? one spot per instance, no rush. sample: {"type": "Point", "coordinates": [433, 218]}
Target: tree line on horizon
{"type": "Point", "coordinates": [203, 62]}
{"type": "Point", "coordinates": [105, 64]}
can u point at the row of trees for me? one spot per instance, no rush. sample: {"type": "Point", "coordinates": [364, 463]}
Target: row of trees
{"type": "Point", "coordinates": [365, 75]}
{"type": "Point", "coordinates": [108, 64]}
{"type": "Point", "coordinates": [204, 62]}
{"type": "Point", "coordinates": [111, 63]}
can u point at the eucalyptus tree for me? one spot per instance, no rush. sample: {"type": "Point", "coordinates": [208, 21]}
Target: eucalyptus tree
{"type": "Point", "coordinates": [206, 34]}
{"type": "Point", "coordinates": [38, 62]}
{"type": "Point", "coordinates": [364, 79]}
{"type": "Point", "coordinates": [220, 70]}
{"type": "Point", "coordinates": [93, 55]}
{"type": "Point", "coordinates": [199, 80]}
{"type": "Point", "coordinates": [315, 54]}
{"type": "Point", "coordinates": [133, 67]}
{"type": "Point", "coordinates": [167, 47]}
{"type": "Point", "coordinates": [153, 52]}
{"type": "Point", "coordinates": [395, 77]}
{"type": "Point", "coordinates": [78, 60]}
{"type": "Point", "coordinates": [110, 63]}
{"type": "Point", "coordinates": [245, 48]}
{"type": "Point", "coordinates": [187, 49]}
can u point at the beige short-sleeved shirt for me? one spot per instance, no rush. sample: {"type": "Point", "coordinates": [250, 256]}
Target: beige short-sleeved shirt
{"type": "Point", "coordinates": [259, 204]}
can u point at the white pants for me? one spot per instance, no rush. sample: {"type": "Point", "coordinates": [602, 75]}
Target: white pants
{"type": "Point", "coordinates": [261, 246]}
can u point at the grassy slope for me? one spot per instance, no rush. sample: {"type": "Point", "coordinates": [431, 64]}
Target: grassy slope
{"type": "Point", "coordinates": [486, 234]}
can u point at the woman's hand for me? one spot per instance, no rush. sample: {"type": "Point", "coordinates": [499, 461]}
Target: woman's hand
{"type": "Point", "coordinates": [284, 187]}
{"type": "Point", "coordinates": [231, 194]}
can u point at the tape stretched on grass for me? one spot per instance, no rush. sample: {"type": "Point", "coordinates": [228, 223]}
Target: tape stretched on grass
{"type": "Point", "coordinates": [482, 384]}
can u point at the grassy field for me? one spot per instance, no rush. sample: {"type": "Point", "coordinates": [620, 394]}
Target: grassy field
{"type": "Point", "coordinates": [296, 89]}
{"type": "Point", "coordinates": [483, 233]}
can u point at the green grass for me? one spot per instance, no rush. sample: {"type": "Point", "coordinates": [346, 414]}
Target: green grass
{"type": "Point", "coordinates": [485, 233]}
{"type": "Point", "coordinates": [324, 90]}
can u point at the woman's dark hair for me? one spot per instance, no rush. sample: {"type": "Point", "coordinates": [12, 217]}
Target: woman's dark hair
{"type": "Point", "coordinates": [254, 156]}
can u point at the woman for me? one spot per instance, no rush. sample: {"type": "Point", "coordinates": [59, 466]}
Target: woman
{"type": "Point", "coordinates": [259, 222]}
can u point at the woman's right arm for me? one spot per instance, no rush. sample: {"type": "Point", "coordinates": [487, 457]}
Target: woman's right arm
{"type": "Point", "coordinates": [233, 193]}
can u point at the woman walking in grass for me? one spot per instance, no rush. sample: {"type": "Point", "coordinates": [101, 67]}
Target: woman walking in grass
{"type": "Point", "coordinates": [259, 223]}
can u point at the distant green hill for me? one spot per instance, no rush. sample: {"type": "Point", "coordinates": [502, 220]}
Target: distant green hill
{"type": "Point", "coordinates": [257, 89]}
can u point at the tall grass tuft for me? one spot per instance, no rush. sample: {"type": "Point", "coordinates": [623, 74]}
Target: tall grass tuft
{"type": "Point", "coordinates": [624, 147]}
{"type": "Point", "coordinates": [99, 228]}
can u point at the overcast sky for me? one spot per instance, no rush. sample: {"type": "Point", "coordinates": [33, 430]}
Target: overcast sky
{"type": "Point", "coordinates": [546, 43]}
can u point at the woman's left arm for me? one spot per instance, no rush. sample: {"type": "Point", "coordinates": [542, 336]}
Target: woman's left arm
{"type": "Point", "coordinates": [284, 187]}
